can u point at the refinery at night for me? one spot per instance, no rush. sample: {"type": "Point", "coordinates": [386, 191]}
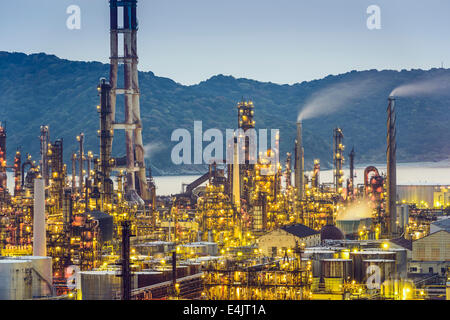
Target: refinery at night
{"type": "Point", "coordinates": [93, 226]}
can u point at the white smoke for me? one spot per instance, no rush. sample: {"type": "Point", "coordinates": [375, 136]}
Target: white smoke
{"type": "Point", "coordinates": [439, 85]}
{"type": "Point", "coordinates": [357, 211]}
{"type": "Point", "coordinates": [334, 98]}
{"type": "Point", "coordinates": [152, 148]}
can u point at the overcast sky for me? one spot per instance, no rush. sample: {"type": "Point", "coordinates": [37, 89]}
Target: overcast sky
{"type": "Point", "coordinates": [282, 41]}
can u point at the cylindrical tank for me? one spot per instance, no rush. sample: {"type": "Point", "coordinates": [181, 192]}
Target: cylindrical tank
{"type": "Point", "coordinates": [42, 275]}
{"type": "Point", "coordinates": [316, 256]}
{"type": "Point", "coordinates": [15, 279]}
{"type": "Point", "coordinates": [349, 227]}
{"type": "Point", "coordinates": [387, 268]}
{"type": "Point", "coordinates": [336, 268]}
{"type": "Point", "coordinates": [359, 272]}
{"type": "Point", "coordinates": [102, 285]}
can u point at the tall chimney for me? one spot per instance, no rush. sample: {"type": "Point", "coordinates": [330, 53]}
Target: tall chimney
{"type": "Point", "coordinates": [391, 199]}
{"type": "Point", "coordinates": [39, 236]}
{"type": "Point", "coordinates": [299, 162]}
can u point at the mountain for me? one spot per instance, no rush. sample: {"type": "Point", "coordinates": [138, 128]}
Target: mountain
{"type": "Point", "coordinates": [42, 89]}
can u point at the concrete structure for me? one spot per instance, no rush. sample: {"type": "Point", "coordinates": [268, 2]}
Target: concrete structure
{"type": "Point", "coordinates": [39, 235]}
{"type": "Point", "coordinates": [276, 242]}
{"type": "Point", "coordinates": [431, 254]}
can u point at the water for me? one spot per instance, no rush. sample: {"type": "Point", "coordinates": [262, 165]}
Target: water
{"type": "Point", "coordinates": [426, 173]}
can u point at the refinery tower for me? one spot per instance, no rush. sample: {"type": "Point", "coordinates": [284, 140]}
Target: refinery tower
{"type": "Point", "coordinates": [124, 24]}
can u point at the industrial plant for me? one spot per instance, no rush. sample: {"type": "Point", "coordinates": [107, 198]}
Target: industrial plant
{"type": "Point", "coordinates": [93, 227]}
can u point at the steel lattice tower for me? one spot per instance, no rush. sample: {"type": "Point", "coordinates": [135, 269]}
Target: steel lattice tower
{"type": "Point", "coordinates": [135, 164]}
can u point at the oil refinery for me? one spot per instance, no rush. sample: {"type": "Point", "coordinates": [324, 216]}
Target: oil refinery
{"type": "Point", "coordinates": [93, 227]}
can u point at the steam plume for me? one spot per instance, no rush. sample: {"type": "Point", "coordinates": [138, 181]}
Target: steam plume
{"type": "Point", "coordinates": [334, 98]}
{"type": "Point", "coordinates": [151, 149]}
{"type": "Point", "coordinates": [439, 85]}
{"type": "Point", "coordinates": [355, 211]}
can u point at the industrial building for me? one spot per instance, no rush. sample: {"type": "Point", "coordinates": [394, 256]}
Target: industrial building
{"type": "Point", "coordinates": [279, 241]}
{"type": "Point", "coordinates": [431, 254]}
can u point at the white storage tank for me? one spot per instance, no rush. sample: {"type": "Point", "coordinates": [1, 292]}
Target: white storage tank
{"type": "Point", "coordinates": [42, 275]}
{"type": "Point", "coordinates": [15, 279]}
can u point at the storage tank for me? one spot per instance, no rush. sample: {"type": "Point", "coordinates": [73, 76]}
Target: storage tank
{"type": "Point", "coordinates": [336, 268]}
{"type": "Point", "coordinates": [387, 268]}
{"type": "Point", "coordinates": [42, 275]}
{"type": "Point", "coordinates": [316, 255]}
{"type": "Point", "coordinates": [15, 279]}
{"type": "Point", "coordinates": [102, 285]}
{"type": "Point", "coordinates": [359, 272]}
{"type": "Point", "coordinates": [352, 227]}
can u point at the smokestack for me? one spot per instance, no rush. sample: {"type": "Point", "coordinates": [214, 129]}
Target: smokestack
{"type": "Point", "coordinates": [236, 178]}
{"type": "Point", "coordinates": [39, 236]}
{"type": "Point", "coordinates": [391, 206]}
{"type": "Point", "coordinates": [299, 162]}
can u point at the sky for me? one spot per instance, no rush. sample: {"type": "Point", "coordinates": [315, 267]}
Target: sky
{"type": "Point", "coordinates": [281, 41]}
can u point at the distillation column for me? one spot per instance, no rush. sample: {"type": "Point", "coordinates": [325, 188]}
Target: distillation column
{"type": "Point", "coordinates": [338, 159]}
{"type": "Point", "coordinates": [391, 194]}
{"type": "Point", "coordinates": [45, 140]}
{"type": "Point", "coordinates": [106, 136]}
{"type": "Point", "coordinates": [135, 166]}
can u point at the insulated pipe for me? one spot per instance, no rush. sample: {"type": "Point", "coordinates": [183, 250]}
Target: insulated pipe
{"type": "Point", "coordinates": [39, 236]}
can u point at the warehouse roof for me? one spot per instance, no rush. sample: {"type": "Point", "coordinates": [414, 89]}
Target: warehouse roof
{"type": "Point", "coordinates": [299, 230]}
{"type": "Point", "coordinates": [402, 242]}
{"type": "Point", "coordinates": [443, 224]}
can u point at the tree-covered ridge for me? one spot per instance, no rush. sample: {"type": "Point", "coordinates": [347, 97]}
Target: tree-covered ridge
{"type": "Point", "coordinates": [42, 89]}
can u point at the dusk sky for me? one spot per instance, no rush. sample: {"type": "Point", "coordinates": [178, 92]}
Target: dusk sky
{"type": "Point", "coordinates": [282, 41]}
